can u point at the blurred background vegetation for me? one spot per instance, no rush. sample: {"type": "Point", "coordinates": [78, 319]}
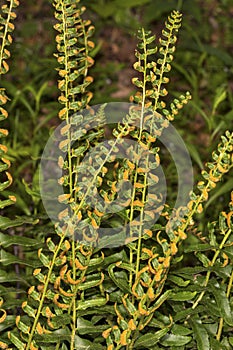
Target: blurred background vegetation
{"type": "Point", "coordinates": [203, 65]}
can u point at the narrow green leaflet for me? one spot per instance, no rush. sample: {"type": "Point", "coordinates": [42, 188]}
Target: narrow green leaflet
{"type": "Point", "coordinates": [180, 330]}
{"type": "Point", "coordinates": [83, 305]}
{"type": "Point", "coordinates": [223, 303]}
{"type": "Point", "coordinates": [6, 223]}
{"type": "Point", "coordinates": [51, 338]}
{"type": "Point", "coordinates": [150, 339]}
{"type": "Point", "coordinates": [175, 340]}
{"type": "Point", "coordinates": [182, 296]}
{"type": "Point", "coordinates": [11, 277]}
{"type": "Point", "coordinates": [181, 315]}
{"type": "Point", "coordinates": [9, 322]}
{"type": "Point", "coordinates": [7, 241]}
{"type": "Point", "coordinates": [8, 259]}
{"type": "Point", "coordinates": [178, 281]}
{"type": "Point", "coordinates": [86, 327]}
{"type": "Point", "coordinates": [198, 248]}
{"type": "Point", "coordinates": [91, 283]}
{"type": "Point", "coordinates": [120, 256]}
{"type": "Point", "coordinates": [200, 334]}
{"type": "Point", "coordinates": [96, 261]}
{"type": "Point", "coordinates": [190, 271]}
{"type": "Point", "coordinates": [119, 282]}
{"type": "Point", "coordinates": [16, 341]}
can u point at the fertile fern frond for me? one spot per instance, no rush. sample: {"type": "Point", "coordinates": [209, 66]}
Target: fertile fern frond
{"type": "Point", "coordinates": [73, 46]}
{"type": "Point", "coordinates": [63, 276]}
{"type": "Point", "coordinates": [81, 129]}
{"type": "Point", "coordinates": [6, 28]}
{"type": "Point", "coordinates": [152, 86]}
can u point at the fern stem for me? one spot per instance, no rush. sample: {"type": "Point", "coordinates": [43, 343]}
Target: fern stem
{"type": "Point", "coordinates": [208, 187]}
{"type": "Point", "coordinates": [67, 69]}
{"type": "Point", "coordinates": [73, 300]}
{"type": "Point", "coordinates": [212, 264]}
{"type": "Point", "coordinates": [41, 304]}
{"type": "Point", "coordinates": [140, 136]}
{"type": "Point", "coordinates": [136, 174]}
{"type": "Point", "coordinates": [220, 327]}
{"type": "Point", "coordinates": [66, 55]}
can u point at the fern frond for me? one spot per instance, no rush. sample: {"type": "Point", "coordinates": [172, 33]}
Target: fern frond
{"type": "Point", "coordinates": [210, 282]}
{"type": "Point", "coordinates": [176, 105]}
{"type": "Point", "coordinates": [149, 264]}
{"type": "Point", "coordinates": [6, 28]}
{"type": "Point", "coordinates": [73, 46]}
{"type": "Point", "coordinates": [7, 15]}
{"type": "Point", "coordinates": [62, 277]}
{"type": "Point", "coordinates": [221, 164]}
{"type": "Point", "coordinates": [144, 125]}
{"type": "Point", "coordinates": [152, 86]}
